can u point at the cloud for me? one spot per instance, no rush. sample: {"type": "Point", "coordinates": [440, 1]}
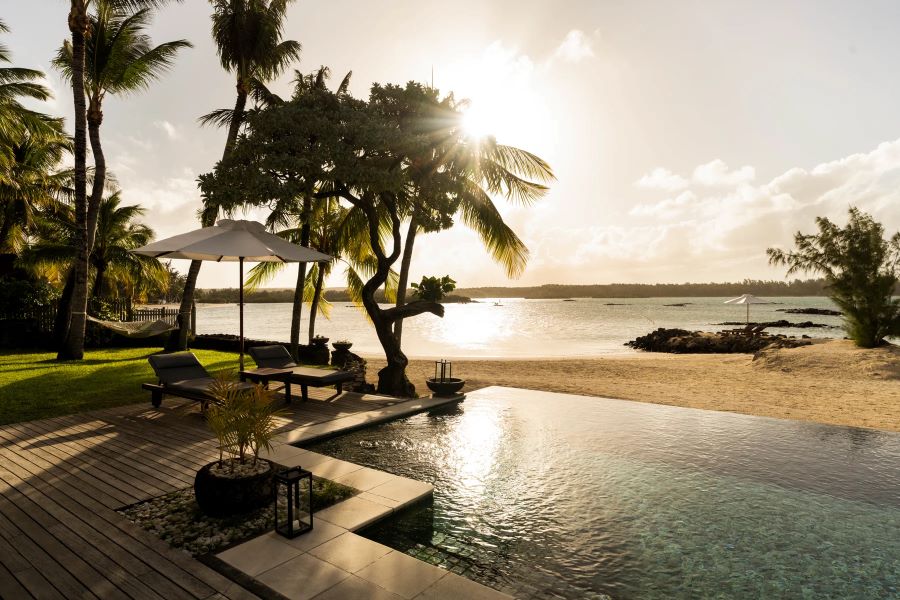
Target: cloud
{"type": "Point", "coordinates": [729, 222]}
{"type": "Point", "coordinates": [575, 47]}
{"type": "Point", "coordinates": [716, 173]}
{"type": "Point", "coordinates": [170, 130]}
{"type": "Point", "coordinates": [662, 179]}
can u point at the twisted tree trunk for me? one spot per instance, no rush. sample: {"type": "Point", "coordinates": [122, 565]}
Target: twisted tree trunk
{"type": "Point", "coordinates": [403, 280]}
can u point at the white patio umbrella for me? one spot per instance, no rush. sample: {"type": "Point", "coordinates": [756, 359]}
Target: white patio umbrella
{"type": "Point", "coordinates": [747, 299]}
{"type": "Point", "coordinates": [231, 240]}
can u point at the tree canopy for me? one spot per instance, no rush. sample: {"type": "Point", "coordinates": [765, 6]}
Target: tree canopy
{"type": "Point", "coordinates": [860, 267]}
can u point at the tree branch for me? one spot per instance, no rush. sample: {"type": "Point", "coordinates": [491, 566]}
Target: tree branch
{"type": "Point", "coordinates": [412, 309]}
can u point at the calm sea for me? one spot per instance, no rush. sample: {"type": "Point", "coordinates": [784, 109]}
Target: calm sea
{"type": "Point", "coordinates": [519, 328]}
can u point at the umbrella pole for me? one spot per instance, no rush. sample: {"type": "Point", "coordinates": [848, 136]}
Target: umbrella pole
{"type": "Point", "coordinates": [241, 302]}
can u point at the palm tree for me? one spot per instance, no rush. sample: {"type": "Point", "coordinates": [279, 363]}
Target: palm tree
{"type": "Point", "coordinates": [457, 167]}
{"type": "Point", "coordinates": [333, 229]}
{"type": "Point", "coordinates": [248, 39]}
{"type": "Point", "coordinates": [17, 83]}
{"type": "Point", "coordinates": [115, 269]}
{"type": "Point", "coordinates": [79, 22]}
{"type": "Point", "coordinates": [30, 183]}
{"type": "Point", "coordinates": [295, 213]}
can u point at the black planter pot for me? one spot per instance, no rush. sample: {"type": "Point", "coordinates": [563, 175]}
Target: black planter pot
{"type": "Point", "coordinates": [223, 497]}
{"type": "Point", "coordinates": [341, 346]}
{"type": "Point", "coordinates": [446, 387]}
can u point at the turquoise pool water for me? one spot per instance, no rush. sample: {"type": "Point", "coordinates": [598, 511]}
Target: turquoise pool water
{"type": "Point", "coordinates": [557, 496]}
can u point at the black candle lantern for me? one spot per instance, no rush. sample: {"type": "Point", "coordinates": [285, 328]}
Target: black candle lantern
{"type": "Point", "coordinates": [443, 370]}
{"type": "Point", "coordinates": [293, 502]}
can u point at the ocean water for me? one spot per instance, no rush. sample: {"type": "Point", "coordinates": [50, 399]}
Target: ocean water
{"type": "Point", "coordinates": [519, 328]}
{"type": "Point", "coordinates": [558, 496]}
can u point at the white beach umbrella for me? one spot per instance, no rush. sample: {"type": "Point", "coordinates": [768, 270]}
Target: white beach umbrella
{"type": "Point", "coordinates": [747, 299]}
{"type": "Point", "coordinates": [231, 240]}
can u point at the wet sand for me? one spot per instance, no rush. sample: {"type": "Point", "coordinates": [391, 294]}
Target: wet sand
{"type": "Point", "coordinates": [830, 382]}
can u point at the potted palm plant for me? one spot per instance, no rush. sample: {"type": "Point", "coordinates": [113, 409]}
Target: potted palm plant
{"type": "Point", "coordinates": [243, 423]}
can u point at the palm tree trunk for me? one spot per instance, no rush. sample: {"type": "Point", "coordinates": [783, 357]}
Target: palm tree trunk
{"type": "Point", "coordinates": [297, 311]}
{"type": "Point", "coordinates": [236, 121]}
{"type": "Point", "coordinates": [99, 274]}
{"type": "Point", "coordinates": [314, 307]}
{"type": "Point", "coordinates": [73, 339]}
{"type": "Point", "coordinates": [94, 119]}
{"type": "Point", "coordinates": [178, 339]}
{"type": "Point", "coordinates": [403, 281]}
{"type": "Point", "coordinates": [63, 306]}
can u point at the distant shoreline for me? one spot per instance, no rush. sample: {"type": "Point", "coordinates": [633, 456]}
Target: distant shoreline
{"type": "Point", "coordinates": [771, 289]}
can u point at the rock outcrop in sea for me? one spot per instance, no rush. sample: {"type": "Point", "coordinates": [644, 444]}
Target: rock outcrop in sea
{"type": "Point", "coordinates": [682, 341]}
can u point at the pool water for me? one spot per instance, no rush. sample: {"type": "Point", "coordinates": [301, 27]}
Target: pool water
{"type": "Point", "coordinates": [556, 496]}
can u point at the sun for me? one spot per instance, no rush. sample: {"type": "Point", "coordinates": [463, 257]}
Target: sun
{"type": "Point", "coordinates": [477, 122]}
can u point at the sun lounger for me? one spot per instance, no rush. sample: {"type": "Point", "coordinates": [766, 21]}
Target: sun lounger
{"type": "Point", "coordinates": [181, 374]}
{"type": "Point", "coordinates": [275, 364]}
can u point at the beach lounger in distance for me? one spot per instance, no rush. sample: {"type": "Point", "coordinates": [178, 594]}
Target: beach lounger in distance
{"type": "Point", "coordinates": [181, 374]}
{"type": "Point", "coordinates": [276, 364]}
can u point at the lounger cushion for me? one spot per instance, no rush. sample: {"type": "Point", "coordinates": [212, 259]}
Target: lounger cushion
{"type": "Point", "coordinates": [201, 385]}
{"type": "Point", "coordinates": [180, 366]}
{"type": "Point", "coordinates": [272, 357]}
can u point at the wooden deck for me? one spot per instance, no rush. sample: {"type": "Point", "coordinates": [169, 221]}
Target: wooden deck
{"type": "Point", "coordinates": [62, 479]}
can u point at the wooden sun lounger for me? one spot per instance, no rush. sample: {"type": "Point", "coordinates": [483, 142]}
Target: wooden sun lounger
{"type": "Point", "coordinates": [276, 364]}
{"type": "Point", "coordinates": [181, 374]}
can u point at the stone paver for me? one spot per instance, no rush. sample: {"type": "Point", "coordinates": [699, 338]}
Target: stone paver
{"type": "Point", "coordinates": [402, 574]}
{"type": "Point", "coordinates": [322, 532]}
{"type": "Point", "coordinates": [386, 502]}
{"type": "Point", "coordinates": [303, 577]}
{"type": "Point", "coordinates": [284, 454]}
{"type": "Point", "coordinates": [353, 513]}
{"type": "Point", "coordinates": [328, 467]}
{"type": "Point", "coordinates": [403, 490]}
{"type": "Point", "coordinates": [354, 588]}
{"type": "Point", "coordinates": [319, 430]}
{"type": "Point", "coordinates": [260, 554]}
{"type": "Point", "coordinates": [365, 479]}
{"type": "Point", "coordinates": [453, 586]}
{"type": "Point", "coordinates": [350, 552]}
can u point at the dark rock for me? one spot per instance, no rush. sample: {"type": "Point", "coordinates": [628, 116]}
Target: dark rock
{"type": "Point", "coordinates": [811, 311]}
{"type": "Point", "coordinates": [681, 341]}
{"type": "Point", "coordinates": [782, 324]}
{"type": "Point", "coordinates": [347, 361]}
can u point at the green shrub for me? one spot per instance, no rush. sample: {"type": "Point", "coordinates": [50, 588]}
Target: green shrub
{"type": "Point", "coordinates": [860, 268]}
{"type": "Point", "coordinates": [242, 421]}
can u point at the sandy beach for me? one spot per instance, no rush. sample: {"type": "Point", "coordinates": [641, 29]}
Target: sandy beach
{"type": "Point", "coordinates": [831, 382]}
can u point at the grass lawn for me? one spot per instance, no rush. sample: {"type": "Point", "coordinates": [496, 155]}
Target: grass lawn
{"type": "Point", "coordinates": [33, 385]}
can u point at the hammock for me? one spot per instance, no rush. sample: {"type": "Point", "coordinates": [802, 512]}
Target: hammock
{"type": "Point", "coordinates": [135, 329]}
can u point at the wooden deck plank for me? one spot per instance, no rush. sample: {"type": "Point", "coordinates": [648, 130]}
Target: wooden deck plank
{"type": "Point", "coordinates": [114, 473]}
{"type": "Point", "coordinates": [129, 457]}
{"type": "Point", "coordinates": [88, 542]}
{"type": "Point", "coordinates": [10, 587]}
{"type": "Point", "coordinates": [62, 478]}
{"type": "Point", "coordinates": [152, 551]}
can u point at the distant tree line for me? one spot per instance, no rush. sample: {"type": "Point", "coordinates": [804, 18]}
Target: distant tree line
{"type": "Point", "coordinates": [809, 287]}
{"type": "Point", "coordinates": [797, 287]}
{"type": "Point", "coordinates": [276, 295]}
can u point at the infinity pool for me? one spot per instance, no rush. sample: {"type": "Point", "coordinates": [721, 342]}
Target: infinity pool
{"type": "Point", "coordinates": [557, 496]}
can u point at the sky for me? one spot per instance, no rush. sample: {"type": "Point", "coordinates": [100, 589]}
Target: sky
{"type": "Point", "coordinates": [686, 137]}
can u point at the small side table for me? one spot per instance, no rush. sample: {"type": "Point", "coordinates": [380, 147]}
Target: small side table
{"type": "Point", "coordinates": [265, 375]}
